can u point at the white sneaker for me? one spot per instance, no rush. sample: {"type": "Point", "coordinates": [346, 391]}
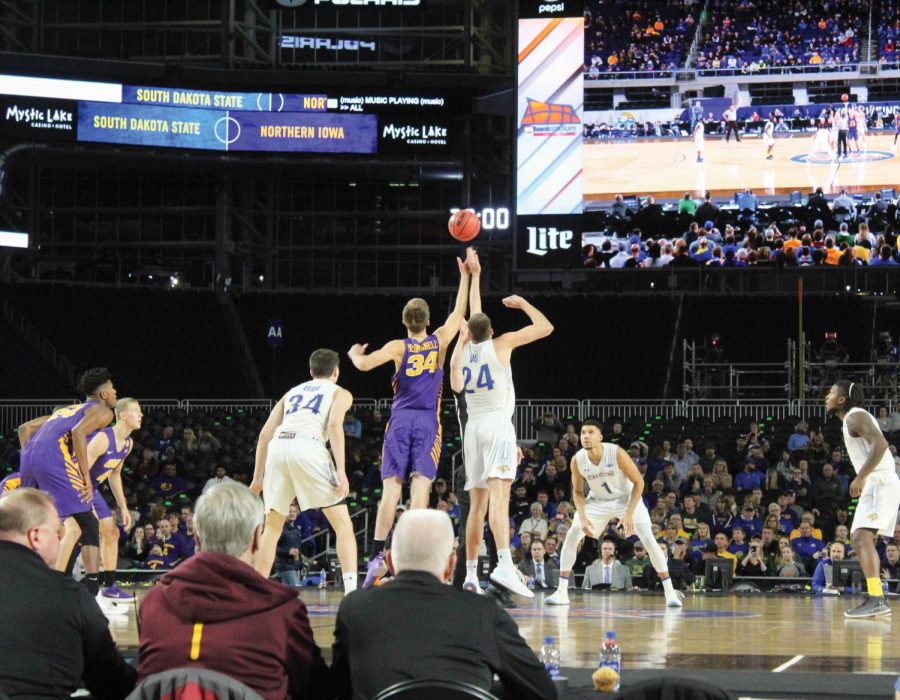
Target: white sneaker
{"type": "Point", "coordinates": [674, 600]}
{"type": "Point", "coordinates": [509, 578]}
{"type": "Point", "coordinates": [561, 597]}
{"type": "Point", "coordinates": [110, 608]}
{"type": "Point", "coordinates": [472, 587]}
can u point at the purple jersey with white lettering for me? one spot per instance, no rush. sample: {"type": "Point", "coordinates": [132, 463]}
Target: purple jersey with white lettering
{"type": "Point", "coordinates": [412, 439]}
{"type": "Point", "coordinates": [418, 382]}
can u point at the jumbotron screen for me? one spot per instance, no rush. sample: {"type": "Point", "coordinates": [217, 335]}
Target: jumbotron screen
{"type": "Point", "coordinates": [573, 158]}
{"type": "Point", "coordinates": [39, 108]}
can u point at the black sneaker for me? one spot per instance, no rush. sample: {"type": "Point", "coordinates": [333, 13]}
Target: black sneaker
{"type": "Point", "coordinates": [872, 607]}
{"type": "Point", "coordinates": [503, 597]}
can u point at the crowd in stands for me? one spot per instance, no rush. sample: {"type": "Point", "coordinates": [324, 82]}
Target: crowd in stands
{"type": "Point", "coordinates": [637, 36]}
{"type": "Point", "coordinates": [758, 34]}
{"type": "Point", "coordinates": [819, 233]}
{"type": "Point", "coordinates": [889, 32]}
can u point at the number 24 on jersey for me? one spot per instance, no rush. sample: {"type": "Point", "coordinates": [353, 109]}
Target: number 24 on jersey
{"type": "Point", "coordinates": [484, 381]}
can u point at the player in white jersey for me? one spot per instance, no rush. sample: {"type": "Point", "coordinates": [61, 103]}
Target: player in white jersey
{"type": "Point", "coordinates": [480, 368]}
{"type": "Point", "coordinates": [876, 485]}
{"type": "Point", "coordinates": [616, 489]}
{"type": "Point", "coordinates": [292, 461]}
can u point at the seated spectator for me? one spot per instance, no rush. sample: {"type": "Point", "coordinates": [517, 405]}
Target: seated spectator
{"type": "Point", "coordinates": [749, 478]}
{"type": "Point", "coordinates": [352, 427]}
{"type": "Point", "coordinates": [806, 545]}
{"type": "Point", "coordinates": [171, 549]}
{"type": "Point", "coordinates": [148, 467]}
{"type": "Point", "coordinates": [165, 440]}
{"type": "Point", "coordinates": [523, 551]}
{"type": "Point", "coordinates": [820, 582]}
{"type": "Point", "coordinates": [541, 572]}
{"type": "Point", "coordinates": [478, 638]}
{"type": "Point", "coordinates": [136, 549]}
{"type": "Point", "coordinates": [890, 567]}
{"type": "Point", "coordinates": [548, 507]}
{"type": "Point", "coordinates": [738, 546]}
{"type": "Point", "coordinates": [220, 478]}
{"type": "Point", "coordinates": [639, 561]}
{"type": "Point", "coordinates": [441, 492]}
{"type": "Point", "coordinates": [169, 484]}
{"type": "Point", "coordinates": [519, 504]}
{"type": "Point", "coordinates": [549, 429]}
{"type": "Point", "coordinates": [552, 548]}
{"type": "Point", "coordinates": [536, 522]}
{"type": "Point", "coordinates": [809, 519]}
{"type": "Point", "coordinates": [607, 570]}
{"type": "Point", "coordinates": [753, 563]}
{"type": "Point", "coordinates": [209, 611]}
{"type": "Point", "coordinates": [53, 637]}
{"type": "Point", "coordinates": [721, 543]}
{"type": "Point", "coordinates": [288, 557]}
{"type": "Point", "coordinates": [748, 521]}
{"type": "Point", "coordinates": [789, 567]}
{"type": "Point", "coordinates": [721, 477]}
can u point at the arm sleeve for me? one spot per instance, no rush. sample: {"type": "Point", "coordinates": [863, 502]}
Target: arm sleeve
{"type": "Point", "coordinates": [308, 676]}
{"type": "Point", "coordinates": [521, 673]}
{"type": "Point", "coordinates": [818, 579]}
{"type": "Point", "coordinates": [106, 674]}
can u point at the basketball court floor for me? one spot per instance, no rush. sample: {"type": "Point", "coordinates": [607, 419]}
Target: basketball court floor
{"type": "Point", "coordinates": [668, 168]}
{"type": "Point", "coordinates": [764, 645]}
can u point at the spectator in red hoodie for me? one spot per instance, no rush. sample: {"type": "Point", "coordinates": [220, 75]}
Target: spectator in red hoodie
{"type": "Point", "coordinates": [215, 612]}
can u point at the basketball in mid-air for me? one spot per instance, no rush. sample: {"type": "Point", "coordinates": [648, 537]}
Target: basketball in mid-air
{"type": "Point", "coordinates": [464, 225]}
{"type": "Point", "coordinates": [845, 97]}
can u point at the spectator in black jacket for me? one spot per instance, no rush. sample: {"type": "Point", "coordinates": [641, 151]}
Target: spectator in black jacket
{"type": "Point", "coordinates": [288, 559]}
{"type": "Point", "coordinates": [52, 633]}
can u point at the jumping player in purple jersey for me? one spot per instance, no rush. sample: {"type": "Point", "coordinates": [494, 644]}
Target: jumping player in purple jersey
{"type": "Point", "coordinates": [412, 438]}
{"type": "Point", "coordinates": [54, 458]}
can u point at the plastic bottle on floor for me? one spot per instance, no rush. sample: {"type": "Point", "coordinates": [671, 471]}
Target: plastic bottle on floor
{"type": "Point", "coordinates": [611, 657]}
{"type": "Point", "coordinates": [550, 656]}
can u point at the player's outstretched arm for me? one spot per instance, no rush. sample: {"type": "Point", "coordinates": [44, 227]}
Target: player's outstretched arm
{"type": "Point", "coordinates": [474, 265]}
{"type": "Point", "coordinates": [341, 403]}
{"type": "Point", "coordinates": [457, 381]}
{"type": "Point", "coordinates": [392, 350]}
{"type": "Point", "coordinates": [262, 446]}
{"type": "Point", "coordinates": [26, 430]}
{"type": "Point", "coordinates": [540, 326]}
{"type": "Point", "coordinates": [95, 418]}
{"type": "Point", "coordinates": [447, 332]}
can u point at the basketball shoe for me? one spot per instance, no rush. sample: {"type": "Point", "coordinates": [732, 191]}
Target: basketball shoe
{"type": "Point", "coordinates": [115, 593]}
{"type": "Point", "coordinates": [871, 607]}
{"type": "Point", "coordinates": [510, 578]}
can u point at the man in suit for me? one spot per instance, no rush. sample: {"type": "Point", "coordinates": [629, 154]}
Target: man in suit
{"type": "Point", "coordinates": [477, 639]}
{"type": "Point", "coordinates": [607, 570]}
{"type": "Point", "coordinates": [539, 569]}
{"type": "Point", "coordinates": [53, 637]}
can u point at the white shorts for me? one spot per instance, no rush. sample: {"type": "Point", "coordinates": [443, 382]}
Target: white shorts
{"type": "Point", "coordinates": [489, 450]}
{"type": "Point", "coordinates": [601, 512]}
{"type": "Point", "coordinates": [878, 504]}
{"type": "Point", "coordinates": [768, 141]}
{"type": "Point", "coordinates": [298, 467]}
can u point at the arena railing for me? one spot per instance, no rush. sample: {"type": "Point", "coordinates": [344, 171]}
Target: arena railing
{"type": "Point", "coordinates": [687, 74]}
{"type": "Point", "coordinates": [664, 409]}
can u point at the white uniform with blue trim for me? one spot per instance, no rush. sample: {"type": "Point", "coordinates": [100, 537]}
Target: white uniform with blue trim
{"type": "Point", "coordinates": [298, 463]}
{"type": "Point", "coordinates": [879, 501]}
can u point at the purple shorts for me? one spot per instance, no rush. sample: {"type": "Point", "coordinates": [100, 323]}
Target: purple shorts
{"type": "Point", "coordinates": [412, 445]}
{"type": "Point", "coordinates": [101, 508]}
{"type": "Point", "coordinates": [52, 469]}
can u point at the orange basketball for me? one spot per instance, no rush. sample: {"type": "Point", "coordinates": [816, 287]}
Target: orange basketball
{"type": "Point", "coordinates": [845, 97]}
{"type": "Point", "coordinates": [464, 225]}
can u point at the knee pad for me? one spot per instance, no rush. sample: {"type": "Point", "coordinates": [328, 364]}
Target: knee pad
{"type": "Point", "coordinates": [90, 528]}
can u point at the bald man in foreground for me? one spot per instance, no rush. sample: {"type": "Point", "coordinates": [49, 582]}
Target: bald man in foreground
{"type": "Point", "coordinates": [53, 636]}
{"type": "Point", "coordinates": [418, 627]}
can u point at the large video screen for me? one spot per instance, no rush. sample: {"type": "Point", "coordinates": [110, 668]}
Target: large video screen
{"type": "Point", "coordinates": [133, 115]}
{"type": "Point", "coordinates": [573, 161]}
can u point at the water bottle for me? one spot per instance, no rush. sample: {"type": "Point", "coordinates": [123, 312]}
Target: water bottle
{"type": "Point", "coordinates": [322, 578]}
{"type": "Point", "coordinates": [530, 584]}
{"type": "Point", "coordinates": [550, 656]}
{"type": "Point", "coordinates": [611, 657]}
